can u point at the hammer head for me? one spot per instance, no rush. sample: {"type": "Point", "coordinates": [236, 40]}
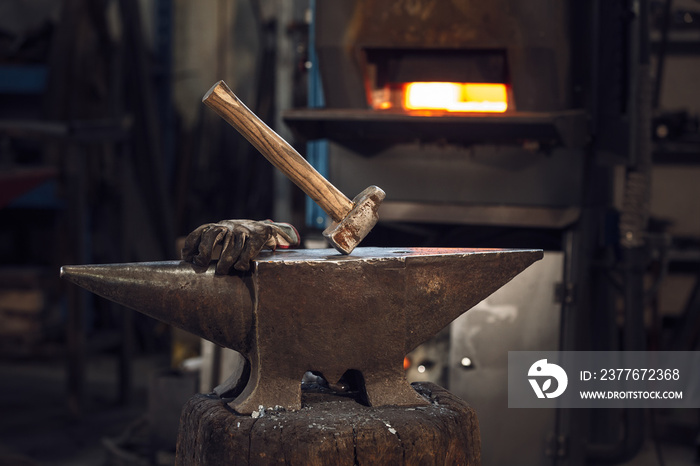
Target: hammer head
{"type": "Point", "coordinates": [347, 234]}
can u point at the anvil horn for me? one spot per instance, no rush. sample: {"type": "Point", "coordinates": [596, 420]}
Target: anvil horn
{"type": "Point", "coordinates": [217, 308]}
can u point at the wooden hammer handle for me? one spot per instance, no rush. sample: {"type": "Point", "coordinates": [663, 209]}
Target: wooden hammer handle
{"type": "Point", "coordinates": [275, 149]}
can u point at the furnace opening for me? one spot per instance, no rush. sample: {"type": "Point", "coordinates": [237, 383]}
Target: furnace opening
{"type": "Point", "coordinates": [437, 80]}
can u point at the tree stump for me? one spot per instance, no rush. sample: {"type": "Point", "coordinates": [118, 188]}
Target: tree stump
{"type": "Point", "coordinates": [331, 429]}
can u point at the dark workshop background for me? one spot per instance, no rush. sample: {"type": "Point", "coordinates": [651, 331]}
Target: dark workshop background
{"type": "Point", "coordinates": [107, 155]}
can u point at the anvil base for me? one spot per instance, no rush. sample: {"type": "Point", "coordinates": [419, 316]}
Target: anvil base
{"type": "Point", "coordinates": [332, 430]}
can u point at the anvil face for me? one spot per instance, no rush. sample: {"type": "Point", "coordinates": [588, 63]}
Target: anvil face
{"type": "Point", "coordinates": [315, 310]}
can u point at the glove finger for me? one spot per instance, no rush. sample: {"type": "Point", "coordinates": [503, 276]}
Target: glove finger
{"type": "Point", "coordinates": [252, 248]}
{"type": "Point", "coordinates": [210, 239]}
{"type": "Point", "coordinates": [227, 254]}
{"type": "Point", "coordinates": [192, 241]}
{"type": "Point", "coordinates": [236, 244]}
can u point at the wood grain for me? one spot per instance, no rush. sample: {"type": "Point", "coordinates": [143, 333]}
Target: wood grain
{"type": "Point", "coordinates": [275, 149]}
{"type": "Point", "coordinates": [332, 430]}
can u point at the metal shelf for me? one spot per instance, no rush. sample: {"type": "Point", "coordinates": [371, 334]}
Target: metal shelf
{"type": "Point", "coordinates": [347, 126]}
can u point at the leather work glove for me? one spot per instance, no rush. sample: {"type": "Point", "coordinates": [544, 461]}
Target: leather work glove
{"type": "Point", "coordinates": [241, 241]}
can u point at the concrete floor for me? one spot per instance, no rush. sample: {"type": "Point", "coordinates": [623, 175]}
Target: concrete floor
{"type": "Point", "coordinates": [671, 455]}
{"type": "Point", "coordinates": [36, 427]}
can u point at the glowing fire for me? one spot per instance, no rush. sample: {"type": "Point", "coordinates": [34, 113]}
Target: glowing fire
{"type": "Point", "coordinates": [456, 97]}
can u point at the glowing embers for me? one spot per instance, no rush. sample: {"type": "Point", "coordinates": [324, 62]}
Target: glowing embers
{"type": "Point", "coordinates": [455, 97]}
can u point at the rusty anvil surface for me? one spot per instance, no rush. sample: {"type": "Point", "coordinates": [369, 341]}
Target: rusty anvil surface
{"type": "Point", "coordinates": [314, 310]}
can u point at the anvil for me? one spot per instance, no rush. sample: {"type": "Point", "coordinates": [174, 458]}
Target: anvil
{"type": "Point", "coordinates": [314, 310]}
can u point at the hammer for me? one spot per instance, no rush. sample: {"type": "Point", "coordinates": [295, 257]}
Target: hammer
{"type": "Point", "coordinates": [352, 220]}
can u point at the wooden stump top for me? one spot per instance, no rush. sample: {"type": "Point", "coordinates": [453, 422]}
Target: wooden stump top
{"type": "Point", "coordinates": [331, 430]}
